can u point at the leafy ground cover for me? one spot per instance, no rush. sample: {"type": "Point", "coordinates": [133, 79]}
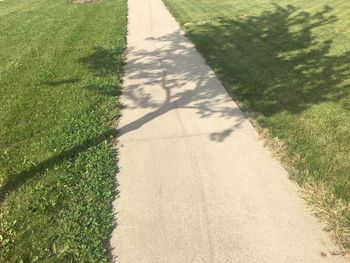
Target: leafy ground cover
{"type": "Point", "coordinates": [59, 79]}
{"type": "Point", "coordinates": [288, 64]}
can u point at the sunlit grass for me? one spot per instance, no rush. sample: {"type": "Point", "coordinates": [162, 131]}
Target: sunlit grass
{"type": "Point", "coordinates": [59, 78]}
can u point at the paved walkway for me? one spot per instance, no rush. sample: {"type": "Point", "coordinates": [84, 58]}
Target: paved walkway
{"type": "Point", "coordinates": [196, 183]}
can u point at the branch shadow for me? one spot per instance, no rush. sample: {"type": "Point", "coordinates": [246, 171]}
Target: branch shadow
{"type": "Point", "coordinates": [17, 180]}
{"type": "Point", "coordinates": [172, 66]}
{"type": "Point", "coordinates": [62, 82]}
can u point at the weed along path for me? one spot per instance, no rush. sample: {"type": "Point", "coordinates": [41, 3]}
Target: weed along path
{"type": "Point", "coordinates": [195, 182]}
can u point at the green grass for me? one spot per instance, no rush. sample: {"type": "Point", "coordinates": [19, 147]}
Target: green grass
{"type": "Point", "coordinates": [59, 79]}
{"type": "Point", "coordinates": [288, 62]}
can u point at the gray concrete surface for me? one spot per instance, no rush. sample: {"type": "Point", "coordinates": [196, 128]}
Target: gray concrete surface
{"type": "Point", "coordinates": [196, 184]}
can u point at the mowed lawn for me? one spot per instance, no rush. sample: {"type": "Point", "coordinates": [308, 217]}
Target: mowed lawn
{"type": "Point", "coordinates": [288, 62]}
{"type": "Point", "coordinates": [59, 79]}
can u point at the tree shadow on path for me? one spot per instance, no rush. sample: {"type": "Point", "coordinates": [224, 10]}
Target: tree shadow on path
{"type": "Point", "coordinates": [271, 62]}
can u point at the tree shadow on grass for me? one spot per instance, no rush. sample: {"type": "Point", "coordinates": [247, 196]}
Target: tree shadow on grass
{"type": "Point", "coordinates": [59, 82]}
{"type": "Point", "coordinates": [17, 180]}
{"type": "Point", "coordinates": [281, 61]}
{"type": "Point", "coordinates": [104, 62]}
{"type": "Point", "coordinates": [273, 62]}
{"type": "Point", "coordinates": [106, 67]}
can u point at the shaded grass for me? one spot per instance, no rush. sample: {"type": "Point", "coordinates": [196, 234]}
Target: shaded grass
{"type": "Point", "coordinates": [289, 64]}
{"type": "Point", "coordinates": [59, 77]}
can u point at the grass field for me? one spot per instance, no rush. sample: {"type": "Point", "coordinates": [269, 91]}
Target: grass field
{"type": "Point", "coordinates": [288, 64]}
{"type": "Point", "coordinates": [59, 79]}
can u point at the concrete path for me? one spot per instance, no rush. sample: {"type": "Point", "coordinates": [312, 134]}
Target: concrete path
{"type": "Point", "coordinates": [196, 183]}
